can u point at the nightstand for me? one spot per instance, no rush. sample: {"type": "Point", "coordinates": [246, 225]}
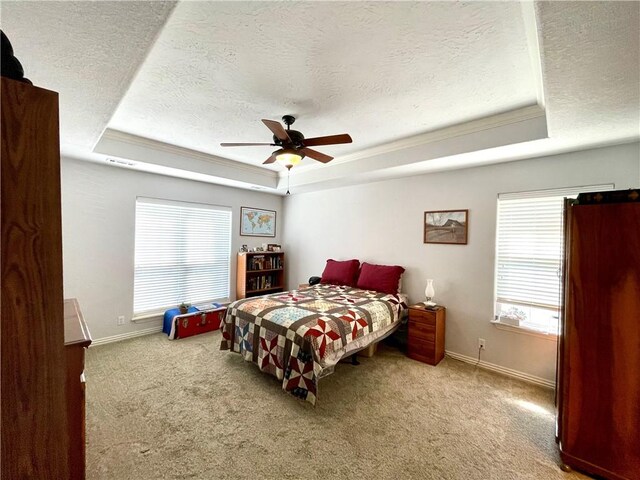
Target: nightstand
{"type": "Point", "coordinates": [426, 334]}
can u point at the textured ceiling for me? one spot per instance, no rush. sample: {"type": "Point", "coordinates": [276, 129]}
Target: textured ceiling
{"type": "Point", "coordinates": [591, 63]}
{"type": "Point", "coordinates": [206, 72]}
{"type": "Point", "coordinates": [86, 51]}
{"type": "Point", "coordinates": [379, 71]}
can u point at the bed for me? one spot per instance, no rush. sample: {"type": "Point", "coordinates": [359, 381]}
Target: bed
{"type": "Point", "coordinates": [300, 335]}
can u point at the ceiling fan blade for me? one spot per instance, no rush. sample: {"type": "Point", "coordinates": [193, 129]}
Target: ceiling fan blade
{"type": "Point", "coordinates": [243, 144]}
{"type": "Point", "coordinates": [271, 159]}
{"type": "Point", "coordinates": [277, 129]}
{"type": "Point", "coordinates": [328, 140]}
{"type": "Point", "coordinates": [321, 157]}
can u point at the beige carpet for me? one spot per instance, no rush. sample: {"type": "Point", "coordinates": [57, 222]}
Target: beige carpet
{"type": "Point", "coordinates": [183, 409]}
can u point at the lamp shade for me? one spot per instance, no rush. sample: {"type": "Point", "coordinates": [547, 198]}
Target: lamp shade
{"type": "Point", "coordinates": [429, 291]}
{"type": "Point", "coordinates": [288, 156]}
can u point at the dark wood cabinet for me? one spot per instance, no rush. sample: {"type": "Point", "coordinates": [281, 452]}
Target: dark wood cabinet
{"type": "Point", "coordinates": [425, 341]}
{"type": "Point", "coordinates": [598, 392]}
{"type": "Point", "coordinates": [34, 414]}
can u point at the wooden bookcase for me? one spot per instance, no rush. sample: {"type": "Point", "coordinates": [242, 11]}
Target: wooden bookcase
{"type": "Point", "coordinates": [259, 273]}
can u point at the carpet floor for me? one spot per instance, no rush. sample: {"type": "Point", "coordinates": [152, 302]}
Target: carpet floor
{"type": "Point", "coordinates": [160, 409]}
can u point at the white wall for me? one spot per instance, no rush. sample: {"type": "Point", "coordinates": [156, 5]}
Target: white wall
{"type": "Point", "coordinates": [383, 223]}
{"type": "Point", "coordinates": [98, 226]}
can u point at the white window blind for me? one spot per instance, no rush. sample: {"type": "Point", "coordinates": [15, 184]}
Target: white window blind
{"type": "Point", "coordinates": [182, 254]}
{"type": "Point", "coordinates": [529, 249]}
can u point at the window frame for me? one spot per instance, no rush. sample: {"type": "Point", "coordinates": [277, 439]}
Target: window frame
{"type": "Point", "coordinates": [157, 311]}
{"type": "Point", "coordinates": [564, 192]}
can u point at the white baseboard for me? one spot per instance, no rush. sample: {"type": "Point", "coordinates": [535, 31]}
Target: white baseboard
{"type": "Point", "coordinates": [125, 336]}
{"type": "Point", "coordinates": [503, 370]}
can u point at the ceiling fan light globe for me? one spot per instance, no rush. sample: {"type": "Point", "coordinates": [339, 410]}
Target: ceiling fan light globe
{"type": "Point", "coordinates": [289, 157]}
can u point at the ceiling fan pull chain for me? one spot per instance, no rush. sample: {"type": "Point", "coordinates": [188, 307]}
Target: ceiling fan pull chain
{"type": "Point", "coordinates": [288, 178]}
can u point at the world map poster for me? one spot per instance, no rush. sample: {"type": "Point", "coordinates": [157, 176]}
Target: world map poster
{"type": "Point", "coordinates": [257, 223]}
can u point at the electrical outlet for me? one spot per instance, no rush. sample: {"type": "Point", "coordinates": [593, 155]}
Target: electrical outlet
{"type": "Point", "coordinates": [121, 320]}
{"type": "Point", "coordinates": [481, 344]}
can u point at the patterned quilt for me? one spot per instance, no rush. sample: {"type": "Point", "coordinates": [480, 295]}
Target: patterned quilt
{"type": "Point", "coordinates": [299, 335]}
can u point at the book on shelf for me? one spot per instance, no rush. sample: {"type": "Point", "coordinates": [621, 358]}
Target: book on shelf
{"type": "Point", "coordinates": [261, 262]}
{"type": "Point", "coordinates": [261, 282]}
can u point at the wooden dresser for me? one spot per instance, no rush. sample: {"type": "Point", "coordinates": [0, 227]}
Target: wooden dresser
{"type": "Point", "coordinates": [426, 334]}
{"type": "Point", "coordinates": [76, 340]}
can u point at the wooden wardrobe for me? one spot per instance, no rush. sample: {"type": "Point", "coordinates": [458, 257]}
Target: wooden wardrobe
{"type": "Point", "coordinates": [34, 406]}
{"type": "Point", "coordinates": [598, 395]}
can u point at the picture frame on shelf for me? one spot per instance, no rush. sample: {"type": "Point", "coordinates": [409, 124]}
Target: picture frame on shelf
{"type": "Point", "coordinates": [446, 226]}
{"type": "Point", "coordinates": [257, 222]}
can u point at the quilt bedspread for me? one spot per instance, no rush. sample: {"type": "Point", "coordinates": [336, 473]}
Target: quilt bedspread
{"type": "Point", "coordinates": [299, 334]}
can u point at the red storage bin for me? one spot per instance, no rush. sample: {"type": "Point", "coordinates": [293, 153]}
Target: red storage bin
{"type": "Point", "coordinates": [189, 324]}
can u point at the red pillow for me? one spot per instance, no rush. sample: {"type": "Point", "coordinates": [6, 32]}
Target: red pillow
{"type": "Point", "coordinates": [381, 278]}
{"type": "Point", "coordinates": [341, 273]}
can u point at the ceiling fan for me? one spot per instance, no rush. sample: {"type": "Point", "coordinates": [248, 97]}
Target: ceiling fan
{"type": "Point", "coordinates": [293, 146]}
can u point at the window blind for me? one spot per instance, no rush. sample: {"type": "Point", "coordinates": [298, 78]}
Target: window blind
{"type": "Point", "coordinates": [182, 254]}
{"type": "Point", "coordinates": [529, 248]}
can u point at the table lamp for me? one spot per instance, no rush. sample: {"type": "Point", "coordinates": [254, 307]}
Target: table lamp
{"type": "Point", "coordinates": [429, 293]}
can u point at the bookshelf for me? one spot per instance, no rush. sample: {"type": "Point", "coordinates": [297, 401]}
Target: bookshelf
{"type": "Point", "coordinates": [259, 273]}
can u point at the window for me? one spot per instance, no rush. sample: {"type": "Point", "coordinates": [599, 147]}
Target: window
{"type": "Point", "coordinates": [529, 254]}
{"type": "Point", "coordinates": [182, 254]}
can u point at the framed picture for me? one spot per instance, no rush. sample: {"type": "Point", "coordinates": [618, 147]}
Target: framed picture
{"type": "Point", "coordinates": [446, 226]}
{"type": "Point", "coordinates": [255, 222]}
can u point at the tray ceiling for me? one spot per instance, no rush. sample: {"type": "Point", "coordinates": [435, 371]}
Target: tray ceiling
{"type": "Point", "coordinates": [418, 85]}
{"type": "Point", "coordinates": [380, 71]}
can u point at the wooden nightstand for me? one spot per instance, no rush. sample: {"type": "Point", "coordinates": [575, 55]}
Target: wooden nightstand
{"type": "Point", "coordinates": [426, 334]}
